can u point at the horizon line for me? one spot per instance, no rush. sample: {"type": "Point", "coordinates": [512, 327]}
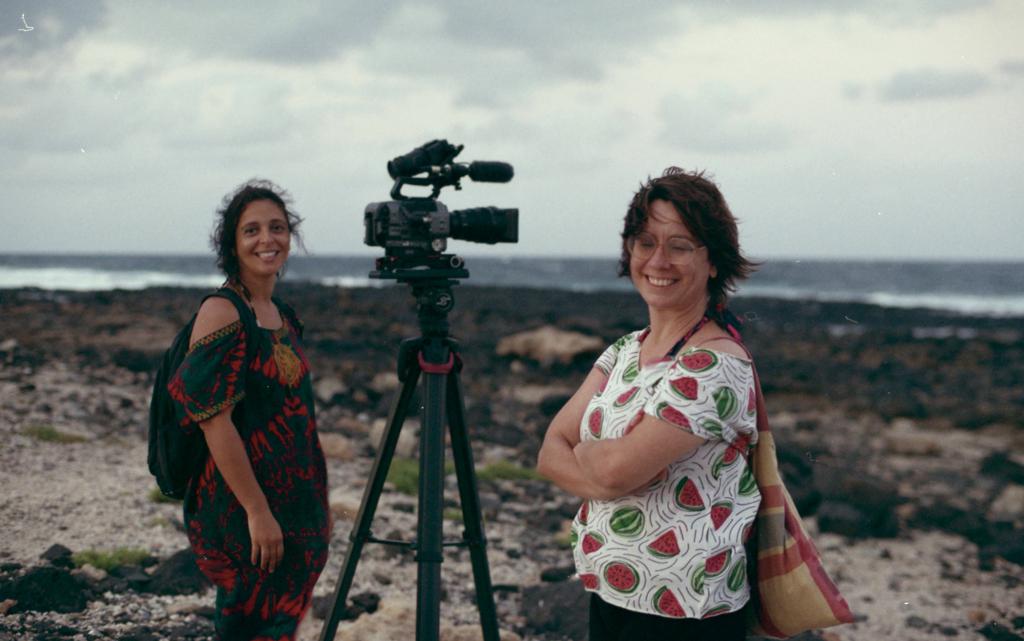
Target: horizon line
{"type": "Point", "coordinates": [499, 256]}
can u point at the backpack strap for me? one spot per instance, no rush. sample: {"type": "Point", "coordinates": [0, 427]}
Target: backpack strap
{"type": "Point", "coordinates": [245, 314]}
{"type": "Point", "coordinates": [290, 316]}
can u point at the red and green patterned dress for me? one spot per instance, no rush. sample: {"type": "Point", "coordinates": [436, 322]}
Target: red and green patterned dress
{"type": "Point", "coordinates": [277, 425]}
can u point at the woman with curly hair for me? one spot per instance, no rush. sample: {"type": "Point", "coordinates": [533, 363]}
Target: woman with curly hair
{"type": "Point", "coordinates": [256, 515]}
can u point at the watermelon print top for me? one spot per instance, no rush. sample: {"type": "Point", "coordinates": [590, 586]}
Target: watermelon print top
{"type": "Point", "coordinates": [674, 549]}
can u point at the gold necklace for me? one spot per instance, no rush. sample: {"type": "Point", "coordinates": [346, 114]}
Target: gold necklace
{"type": "Point", "coordinates": [289, 366]}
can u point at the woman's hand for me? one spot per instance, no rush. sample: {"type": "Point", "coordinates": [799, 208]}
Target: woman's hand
{"type": "Point", "coordinates": [232, 461]}
{"type": "Point", "coordinates": [267, 540]}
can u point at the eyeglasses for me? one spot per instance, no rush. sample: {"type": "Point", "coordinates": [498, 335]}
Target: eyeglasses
{"type": "Point", "coordinates": [679, 251]}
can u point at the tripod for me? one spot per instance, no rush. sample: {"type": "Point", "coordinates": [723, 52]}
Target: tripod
{"type": "Point", "coordinates": [434, 354]}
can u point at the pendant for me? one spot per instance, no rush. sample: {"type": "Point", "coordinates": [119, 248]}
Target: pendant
{"type": "Point", "coordinates": [289, 367]}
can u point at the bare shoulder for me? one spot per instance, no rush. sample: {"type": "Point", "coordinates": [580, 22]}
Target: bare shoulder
{"type": "Point", "coordinates": [724, 344]}
{"type": "Point", "coordinates": [215, 313]}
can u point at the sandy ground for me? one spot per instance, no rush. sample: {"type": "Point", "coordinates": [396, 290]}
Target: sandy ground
{"type": "Point", "coordinates": [95, 495]}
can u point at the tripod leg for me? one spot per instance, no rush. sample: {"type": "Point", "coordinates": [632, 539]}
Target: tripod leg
{"type": "Point", "coordinates": [469, 498]}
{"type": "Point", "coordinates": [371, 495]}
{"type": "Point", "coordinates": [429, 528]}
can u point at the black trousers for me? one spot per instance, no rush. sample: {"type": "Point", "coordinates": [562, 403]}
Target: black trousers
{"type": "Point", "coordinates": [612, 623]}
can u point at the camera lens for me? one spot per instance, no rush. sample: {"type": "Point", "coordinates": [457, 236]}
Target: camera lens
{"type": "Point", "coordinates": [485, 225]}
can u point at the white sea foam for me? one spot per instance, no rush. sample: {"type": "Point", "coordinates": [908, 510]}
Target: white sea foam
{"type": "Point", "coordinates": [84, 279]}
{"type": "Point", "coordinates": [141, 272]}
{"type": "Point", "coordinates": [352, 281]}
{"type": "Point", "coordinates": [991, 305]}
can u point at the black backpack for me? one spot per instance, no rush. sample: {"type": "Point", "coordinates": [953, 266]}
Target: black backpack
{"type": "Point", "coordinates": [177, 455]}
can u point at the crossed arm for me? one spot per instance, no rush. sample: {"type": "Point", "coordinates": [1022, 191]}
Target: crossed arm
{"type": "Point", "coordinates": [608, 468]}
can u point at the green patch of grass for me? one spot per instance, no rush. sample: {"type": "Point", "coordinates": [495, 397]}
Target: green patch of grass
{"type": "Point", "coordinates": [159, 521]}
{"type": "Point", "coordinates": [507, 471]}
{"type": "Point", "coordinates": [564, 540]}
{"type": "Point", "coordinates": [156, 496]}
{"type": "Point", "coordinates": [453, 514]}
{"type": "Point", "coordinates": [51, 434]}
{"type": "Point", "coordinates": [106, 560]}
{"type": "Point", "coordinates": [404, 474]}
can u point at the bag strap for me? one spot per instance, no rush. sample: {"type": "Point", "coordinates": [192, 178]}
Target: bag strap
{"type": "Point", "coordinates": [245, 314]}
{"type": "Point", "coordinates": [687, 336]}
{"type": "Point", "coordinates": [290, 316]}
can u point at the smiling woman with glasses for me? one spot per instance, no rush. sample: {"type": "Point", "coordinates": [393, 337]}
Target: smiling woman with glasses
{"type": "Point", "coordinates": [655, 439]}
{"type": "Point", "coordinates": [679, 250]}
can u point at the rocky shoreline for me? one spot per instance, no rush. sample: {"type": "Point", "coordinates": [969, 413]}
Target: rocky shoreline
{"type": "Point", "coordinates": [899, 431]}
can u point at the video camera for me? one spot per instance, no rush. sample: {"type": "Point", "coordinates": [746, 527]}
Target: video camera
{"type": "Point", "coordinates": [414, 230]}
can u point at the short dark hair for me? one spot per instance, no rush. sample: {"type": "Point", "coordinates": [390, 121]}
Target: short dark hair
{"type": "Point", "coordinates": [703, 210]}
{"type": "Point", "coordinates": [230, 211]}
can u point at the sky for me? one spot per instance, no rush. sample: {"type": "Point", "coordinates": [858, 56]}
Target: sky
{"type": "Point", "coordinates": [835, 129]}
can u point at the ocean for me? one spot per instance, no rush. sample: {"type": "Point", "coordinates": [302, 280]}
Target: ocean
{"type": "Point", "coordinates": [977, 288]}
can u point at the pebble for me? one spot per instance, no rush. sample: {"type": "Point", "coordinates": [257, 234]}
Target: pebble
{"type": "Point", "coordinates": [1008, 507]}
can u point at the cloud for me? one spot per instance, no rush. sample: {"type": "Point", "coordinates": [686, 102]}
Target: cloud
{"type": "Point", "coordinates": [52, 25]}
{"type": "Point", "coordinates": [583, 98]}
{"type": "Point", "coordinates": [876, 9]}
{"type": "Point", "coordinates": [716, 119]}
{"type": "Point", "coordinates": [278, 33]}
{"type": "Point", "coordinates": [566, 38]}
{"type": "Point", "coordinates": [493, 57]}
{"type": "Point", "coordinates": [930, 84]}
{"type": "Point", "coordinates": [1014, 67]}
{"type": "Point", "coordinates": [853, 90]}
{"type": "Point", "coordinates": [404, 36]}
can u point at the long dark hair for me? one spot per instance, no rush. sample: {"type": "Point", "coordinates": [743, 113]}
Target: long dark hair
{"type": "Point", "coordinates": [703, 210]}
{"type": "Point", "coordinates": [230, 211]}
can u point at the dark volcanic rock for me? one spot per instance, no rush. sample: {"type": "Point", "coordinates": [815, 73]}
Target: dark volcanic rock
{"type": "Point", "coordinates": [559, 608]}
{"type": "Point", "coordinates": [42, 630]}
{"type": "Point", "coordinates": [550, 405]}
{"type": "Point", "coordinates": [874, 499]}
{"type": "Point", "coordinates": [134, 360]}
{"type": "Point", "coordinates": [197, 630]}
{"type": "Point", "coordinates": [59, 556]}
{"type": "Point", "coordinates": [810, 635]}
{"type": "Point", "coordinates": [843, 518]}
{"type": "Point", "coordinates": [179, 574]}
{"type": "Point", "coordinates": [46, 589]}
{"type": "Point", "coordinates": [363, 603]}
{"type": "Point", "coordinates": [133, 575]}
{"type": "Point", "coordinates": [798, 474]}
{"type": "Point", "coordinates": [996, 632]}
{"type": "Point", "coordinates": [1000, 465]}
{"type": "Point", "coordinates": [1006, 542]}
{"type": "Point", "coordinates": [556, 574]}
{"type": "Point", "coordinates": [142, 634]}
{"type": "Point", "coordinates": [941, 516]}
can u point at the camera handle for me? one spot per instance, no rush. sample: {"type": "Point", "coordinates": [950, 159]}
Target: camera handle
{"type": "Point", "coordinates": [435, 355]}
